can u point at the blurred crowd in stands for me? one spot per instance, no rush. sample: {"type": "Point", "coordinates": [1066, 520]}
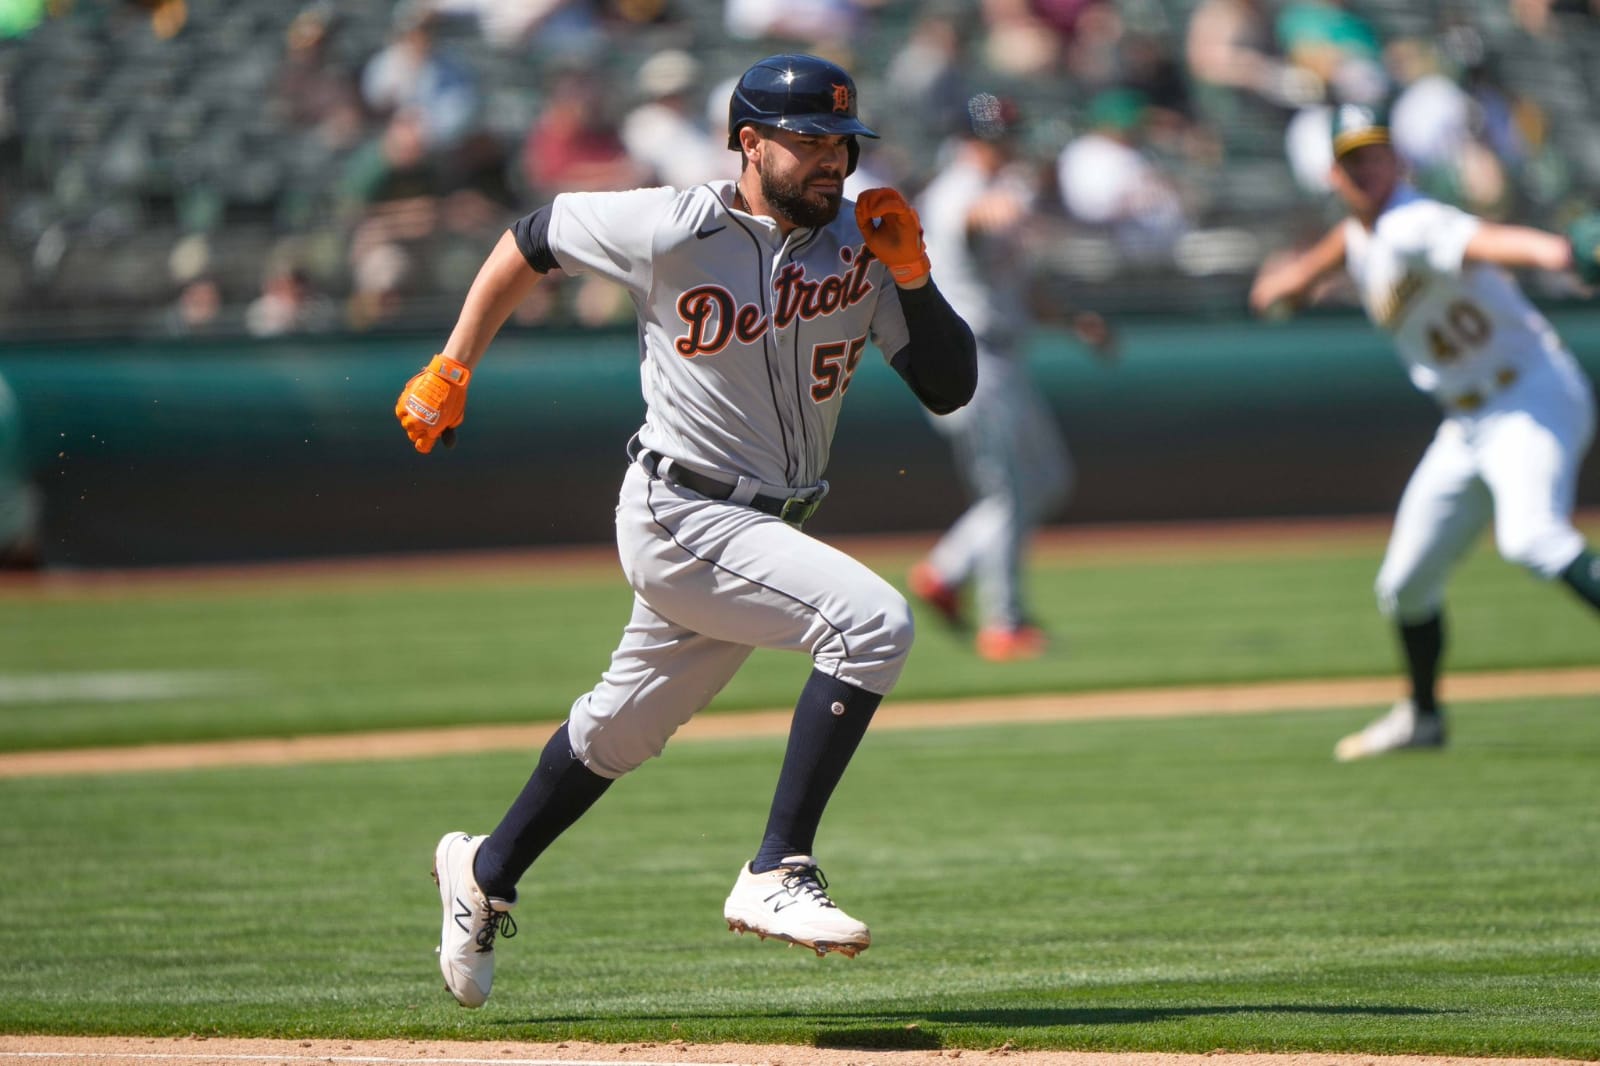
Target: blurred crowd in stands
{"type": "Point", "coordinates": [269, 167]}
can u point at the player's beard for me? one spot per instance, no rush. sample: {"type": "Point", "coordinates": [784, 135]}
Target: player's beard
{"type": "Point", "coordinates": [794, 202]}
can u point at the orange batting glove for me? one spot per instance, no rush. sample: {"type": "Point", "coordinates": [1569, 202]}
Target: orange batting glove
{"type": "Point", "coordinates": [433, 403]}
{"type": "Point", "coordinates": [897, 238]}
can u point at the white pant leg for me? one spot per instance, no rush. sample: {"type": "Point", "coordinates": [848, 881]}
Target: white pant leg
{"type": "Point", "coordinates": [712, 581]}
{"type": "Point", "coordinates": [1443, 509]}
{"type": "Point", "coordinates": [1530, 455]}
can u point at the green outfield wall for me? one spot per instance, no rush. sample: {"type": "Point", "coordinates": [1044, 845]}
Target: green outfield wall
{"type": "Point", "coordinates": [186, 451]}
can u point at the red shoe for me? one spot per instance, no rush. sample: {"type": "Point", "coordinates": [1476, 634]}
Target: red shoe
{"type": "Point", "coordinates": [1009, 644]}
{"type": "Point", "coordinates": [927, 586]}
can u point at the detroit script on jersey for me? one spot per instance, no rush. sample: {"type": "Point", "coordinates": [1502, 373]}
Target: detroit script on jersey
{"type": "Point", "coordinates": [713, 319]}
{"type": "Point", "coordinates": [749, 337]}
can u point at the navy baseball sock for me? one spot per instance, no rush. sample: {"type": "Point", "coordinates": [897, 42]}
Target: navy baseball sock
{"type": "Point", "coordinates": [1584, 576]}
{"type": "Point", "coordinates": [557, 794]}
{"type": "Point", "coordinates": [830, 719]}
{"type": "Point", "coordinates": [1424, 644]}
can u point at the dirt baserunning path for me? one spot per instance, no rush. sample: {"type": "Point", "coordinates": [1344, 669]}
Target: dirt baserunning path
{"type": "Point", "coordinates": [1172, 702]}
{"type": "Point", "coordinates": [193, 1051]}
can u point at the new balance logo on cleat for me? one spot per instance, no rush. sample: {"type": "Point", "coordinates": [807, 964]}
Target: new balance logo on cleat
{"type": "Point", "coordinates": [472, 920]}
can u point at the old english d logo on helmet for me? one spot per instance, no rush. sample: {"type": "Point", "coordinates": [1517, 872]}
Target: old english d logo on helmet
{"type": "Point", "coordinates": [841, 99]}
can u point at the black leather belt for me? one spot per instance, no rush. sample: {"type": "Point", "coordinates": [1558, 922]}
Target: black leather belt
{"type": "Point", "coordinates": [792, 509]}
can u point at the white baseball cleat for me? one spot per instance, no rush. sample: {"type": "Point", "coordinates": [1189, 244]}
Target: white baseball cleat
{"type": "Point", "coordinates": [791, 903]}
{"type": "Point", "coordinates": [1400, 727]}
{"type": "Point", "coordinates": [471, 920]}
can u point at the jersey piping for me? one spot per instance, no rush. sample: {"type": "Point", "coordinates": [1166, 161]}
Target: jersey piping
{"type": "Point", "coordinates": [769, 348]}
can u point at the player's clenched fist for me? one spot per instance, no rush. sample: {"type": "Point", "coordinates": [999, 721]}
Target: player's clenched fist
{"type": "Point", "coordinates": [896, 239]}
{"type": "Point", "coordinates": [433, 402]}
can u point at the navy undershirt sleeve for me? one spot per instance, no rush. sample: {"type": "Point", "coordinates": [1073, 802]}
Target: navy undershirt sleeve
{"type": "Point", "coordinates": [940, 362]}
{"type": "Point", "coordinates": [532, 233]}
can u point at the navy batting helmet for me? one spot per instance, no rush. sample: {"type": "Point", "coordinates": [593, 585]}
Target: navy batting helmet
{"type": "Point", "coordinates": [800, 93]}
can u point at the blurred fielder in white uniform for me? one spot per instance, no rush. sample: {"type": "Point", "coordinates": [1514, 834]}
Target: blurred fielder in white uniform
{"type": "Point", "coordinates": [1518, 411]}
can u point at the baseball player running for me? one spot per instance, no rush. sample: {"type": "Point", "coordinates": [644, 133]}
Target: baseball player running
{"type": "Point", "coordinates": [1518, 410]}
{"type": "Point", "coordinates": [756, 300]}
{"type": "Point", "coordinates": [1006, 445]}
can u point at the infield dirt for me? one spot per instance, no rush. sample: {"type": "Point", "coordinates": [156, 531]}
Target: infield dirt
{"type": "Point", "coordinates": [190, 1051]}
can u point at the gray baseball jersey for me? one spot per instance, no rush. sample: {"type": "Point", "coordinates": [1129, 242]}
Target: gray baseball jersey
{"type": "Point", "coordinates": [749, 340]}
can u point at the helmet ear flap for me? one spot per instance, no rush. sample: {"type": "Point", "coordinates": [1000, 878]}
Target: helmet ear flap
{"type": "Point", "coordinates": [738, 115]}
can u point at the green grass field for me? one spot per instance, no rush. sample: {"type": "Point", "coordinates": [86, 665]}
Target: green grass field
{"type": "Point", "coordinates": [1180, 885]}
{"type": "Point", "coordinates": [331, 653]}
